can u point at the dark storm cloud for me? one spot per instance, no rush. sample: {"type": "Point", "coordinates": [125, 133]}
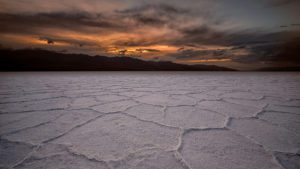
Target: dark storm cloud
{"type": "Point", "coordinates": [39, 24]}
{"type": "Point", "coordinates": [193, 37]}
{"type": "Point", "coordinates": [247, 38]}
{"type": "Point", "coordinates": [276, 48]}
{"type": "Point", "coordinates": [279, 53]}
{"type": "Point", "coordinates": [160, 9]}
{"type": "Point", "coordinates": [246, 46]}
{"type": "Point", "coordinates": [288, 51]}
{"type": "Point", "coordinates": [30, 23]}
{"type": "Point", "coordinates": [200, 35]}
{"type": "Point", "coordinates": [152, 15]}
{"type": "Point", "coordinates": [280, 47]}
{"type": "Point", "coordinates": [205, 35]}
{"type": "Point", "coordinates": [150, 21]}
{"type": "Point", "coordinates": [49, 25]}
{"type": "Point", "coordinates": [191, 53]}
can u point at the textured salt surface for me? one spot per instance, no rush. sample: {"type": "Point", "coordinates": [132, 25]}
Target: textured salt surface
{"type": "Point", "coordinates": [143, 120]}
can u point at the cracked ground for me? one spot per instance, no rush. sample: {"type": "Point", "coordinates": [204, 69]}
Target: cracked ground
{"type": "Point", "coordinates": [150, 120]}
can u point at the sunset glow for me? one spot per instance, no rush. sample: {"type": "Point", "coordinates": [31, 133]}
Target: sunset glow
{"type": "Point", "coordinates": [208, 60]}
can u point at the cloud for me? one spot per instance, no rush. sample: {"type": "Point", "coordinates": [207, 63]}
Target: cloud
{"type": "Point", "coordinates": [50, 42]}
{"type": "Point", "coordinates": [148, 50]}
{"type": "Point", "coordinates": [70, 41]}
{"type": "Point", "coordinates": [155, 15]}
{"type": "Point", "coordinates": [140, 21]}
{"type": "Point", "coordinates": [200, 35]}
{"type": "Point", "coordinates": [31, 23]}
{"type": "Point", "coordinates": [136, 42]}
{"type": "Point", "coordinates": [278, 48]}
{"type": "Point", "coordinates": [144, 25]}
{"type": "Point", "coordinates": [185, 54]}
{"type": "Point", "coordinates": [174, 29]}
{"type": "Point", "coordinates": [207, 35]}
{"type": "Point", "coordinates": [101, 23]}
{"type": "Point", "coordinates": [122, 52]}
{"type": "Point", "coordinates": [276, 3]}
{"type": "Point", "coordinates": [280, 53]}
{"type": "Point", "coordinates": [247, 47]}
{"type": "Point", "coordinates": [157, 9]}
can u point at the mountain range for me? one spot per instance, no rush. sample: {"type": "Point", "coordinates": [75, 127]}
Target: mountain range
{"type": "Point", "coordinates": [44, 60]}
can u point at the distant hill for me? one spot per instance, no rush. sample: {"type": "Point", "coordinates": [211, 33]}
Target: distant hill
{"type": "Point", "coordinates": [279, 69]}
{"type": "Point", "coordinates": [43, 60]}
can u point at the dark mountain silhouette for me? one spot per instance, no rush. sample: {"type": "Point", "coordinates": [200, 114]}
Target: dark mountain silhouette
{"type": "Point", "coordinates": [43, 60]}
{"type": "Point", "coordinates": [279, 69]}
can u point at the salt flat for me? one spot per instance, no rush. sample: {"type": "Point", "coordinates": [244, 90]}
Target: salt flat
{"type": "Point", "coordinates": [143, 120]}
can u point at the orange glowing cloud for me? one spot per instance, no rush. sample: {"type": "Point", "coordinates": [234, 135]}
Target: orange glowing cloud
{"type": "Point", "coordinates": [30, 40]}
{"type": "Point", "coordinates": [204, 60]}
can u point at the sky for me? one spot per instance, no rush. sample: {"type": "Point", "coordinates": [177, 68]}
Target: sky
{"type": "Point", "coordinates": [247, 34]}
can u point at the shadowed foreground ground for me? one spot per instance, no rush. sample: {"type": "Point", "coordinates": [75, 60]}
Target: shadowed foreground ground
{"type": "Point", "coordinates": [163, 120]}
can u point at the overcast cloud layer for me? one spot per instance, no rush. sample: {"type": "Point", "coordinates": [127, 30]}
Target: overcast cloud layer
{"type": "Point", "coordinates": [239, 34]}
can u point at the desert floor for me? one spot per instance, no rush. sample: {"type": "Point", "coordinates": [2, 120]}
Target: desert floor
{"type": "Point", "coordinates": [150, 120]}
